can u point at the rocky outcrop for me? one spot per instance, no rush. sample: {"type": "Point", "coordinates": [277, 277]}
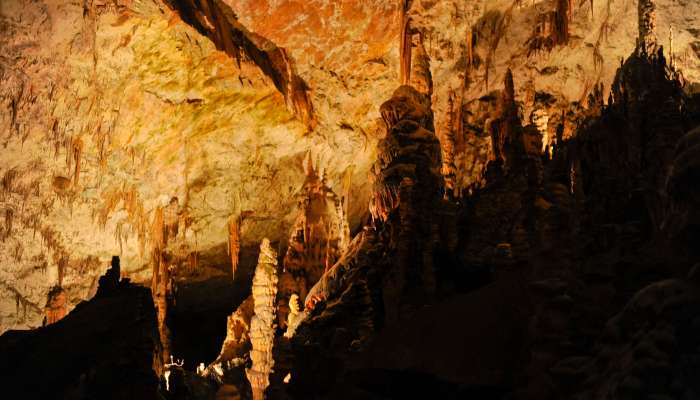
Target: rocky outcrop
{"type": "Point", "coordinates": [237, 341]}
{"type": "Point", "coordinates": [107, 347]}
{"type": "Point", "coordinates": [262, 325]}
{"type": "Point", "coordinates": [109, 282]}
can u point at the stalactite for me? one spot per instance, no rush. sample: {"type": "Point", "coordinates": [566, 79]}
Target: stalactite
{"type": "Point", "coordinates": [405, 45]}
{"type": "Point", "coordinates": [420, 75]}
{"type": "Point", "coordinates": [218, 21]}
{"type": "Point", "coordinates": [262, 325]}
{"type": "Point", "coordinates": [234, 242]}
{"type": "Point", "coordinates": [561, 22]}
{"type": "Point", "coordinates": [77, 152]}
{"type": "Point", "coordinates": [405, 52]}
{"type": "Point", "coordinates": [9, 216]}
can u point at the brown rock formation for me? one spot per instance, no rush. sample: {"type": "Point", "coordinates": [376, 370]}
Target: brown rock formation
{"type": "Point", "coordinates": [388, 268]}
{"type": "Point", "coordinates": [420, 76]}
{"type": "Point", "coordinates": [262, 325]}
{"type": "Point", "coordinates": [55, 308]}
{"type": "Point", "coordinates": [237, 341]}
{"type": "Point", "coordinates": [161, 282]}
{"type": "Point", "coordinates": [406, 43]}
{"type": "Point", "coordinates": [508, 148]}
{"type": "Point", "coordinates": [106, 348]}
{"type": "Point", "coordinates": [647, 41]}
{"type": "Point", "coordinates": [406, 179]}
{"type": "Point", "coordinates": [552, 28]}
{"type": "Point", "coordinates": [234, 242]}
{"type": "Point", "coordinates": [318, 237]}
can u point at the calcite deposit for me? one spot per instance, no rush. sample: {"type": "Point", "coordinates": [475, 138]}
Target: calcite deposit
{"type": "Point", "coordinates": [332, 199]}
{"type": "Point", "coordinates": [262, 325]}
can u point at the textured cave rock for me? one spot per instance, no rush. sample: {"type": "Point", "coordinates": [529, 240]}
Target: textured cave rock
{"type": "Point", "coordinates": [132, 104]}
{"type": "Point", "coordinates": [523, 206]}
{"type": "Point", "coordinates": [318, 237]}
{"type": "Point", "coordinates": [107, 347]}
{"type": "Point", "coordinates": [262, 324]}
{"type": "Point", "coordinates": [387, 269]}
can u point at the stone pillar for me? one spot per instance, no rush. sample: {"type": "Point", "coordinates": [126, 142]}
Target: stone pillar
{"type": "Point", "coordinates": [647, 26]}
{"type": "Point", "coordinates": [262, 325]}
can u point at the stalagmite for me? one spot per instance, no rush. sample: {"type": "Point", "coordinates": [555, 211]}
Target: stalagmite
{"type": "Point", "coordinates": [646, 10]}
{"type": "Point", "coordinates": [262, 326]}
{"type": "Point", "coordinates": [447, 141]}
{"type": "Point", "coordinates": [295, 315]}
{"type": "Point", "coordinates": [160, 280]}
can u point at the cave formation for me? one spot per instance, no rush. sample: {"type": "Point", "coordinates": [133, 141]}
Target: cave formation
{"type": "Point", "coordinates": [331, 199]}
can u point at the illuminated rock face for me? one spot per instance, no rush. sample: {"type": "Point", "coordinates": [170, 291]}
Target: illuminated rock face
{"type": "Point", "coordinates": [111, 109]}
{"type": "Point", "coordinates": [262, 325]}
{"type": "Point", "coordinates": [318, 237]}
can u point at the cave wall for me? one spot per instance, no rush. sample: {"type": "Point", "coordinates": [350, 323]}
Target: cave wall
{"type": "Point", "coordinates": [111, 109]}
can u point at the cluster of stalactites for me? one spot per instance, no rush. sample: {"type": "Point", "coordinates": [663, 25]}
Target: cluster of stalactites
{"type": "Point", "coordinates": [647, 26]}
{"type": "Point", "coordinates": [262, 325]}
{"type": "Point", "coordinates": [321, 230]}
{"type": "Point", "coordinates": [318, 237]}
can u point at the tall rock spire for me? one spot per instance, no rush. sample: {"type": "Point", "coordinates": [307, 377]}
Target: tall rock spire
{"type": "Point", "coordinates": [262, 325]}
{"type": "Point", "coordinates": [647, 26]}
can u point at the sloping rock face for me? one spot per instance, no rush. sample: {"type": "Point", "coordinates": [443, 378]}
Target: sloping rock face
{"type": "Point", "coordinates": [107, 348]}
